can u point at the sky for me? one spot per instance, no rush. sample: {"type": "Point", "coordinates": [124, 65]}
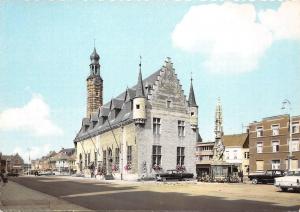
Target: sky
{"type": "Point", "coordinates": [245, 52]}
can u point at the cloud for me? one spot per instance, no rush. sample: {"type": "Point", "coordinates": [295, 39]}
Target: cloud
{"type": "Point", "coordinates": [34, 118]}
{"type": "Point", "coordinates": [283, 23]}
{"type": "Point", "coordinates": [34, 152]}
{"type": "Point", "coordinates": [231, 37]}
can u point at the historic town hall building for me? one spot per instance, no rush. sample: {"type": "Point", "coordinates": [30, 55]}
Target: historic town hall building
{"type": "Point", "coordinates": [150, 127]}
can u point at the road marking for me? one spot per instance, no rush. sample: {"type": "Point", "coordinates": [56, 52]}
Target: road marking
{"type": "Point", "coordinates": [96, 193]}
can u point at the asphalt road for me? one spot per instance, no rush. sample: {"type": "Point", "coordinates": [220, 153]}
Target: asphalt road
{"type": "Point", "coordinates": [102, 196]}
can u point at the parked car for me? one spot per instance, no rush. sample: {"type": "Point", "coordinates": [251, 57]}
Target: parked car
{"type": "Point", "coordinates": [46, 173]}
{"type": "Point", "coordinates": [11, 174]}
{"type": "Point", "coordinates": [265, 177]}
{"type": "Point", "coordinates": [290, 181]}
{"type": "Point", "coordinates": [173, 174]}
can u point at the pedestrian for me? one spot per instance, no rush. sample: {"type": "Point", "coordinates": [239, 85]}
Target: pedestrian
{"type": "Point", "coordinates": [241, 175]}
{"type": "Point", "coordinates": [3, 177]}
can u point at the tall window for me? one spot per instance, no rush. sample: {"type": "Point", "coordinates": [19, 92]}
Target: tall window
{"type": "Point", "coordinates": [246, 155]}
{"type": "Point", "coordinates": [129, 154]}
{"type": "Point", "coordinates": [295, 127]}
{"type": "Point", "coordinates": [156, 126]}
{"type": "Point", "coordinates": [85, 160]}
{"type": "Point", "coordinates": [180, 156]}
{"type": "Point", "coordinates": [89, 158]}
{"type": "Point", "coordinates": [275, 129]}
{"type": "Point", "coordinates": [259, 131]}
{"type": "Point", "coordinates": [295, 145]}
{"type": "Point", "coordinates": [156, 155]}
{"type": "Point", "coordinates": [234, 154]}
{"type": "Point", "coordinates": [95, 158]}
{"type": "Point", "coordinates": [275, 164]}
{"type": "Point", "coordinates": [275, 146]}
{"type": "Point", "coordinates": [227, 154]}
{"type": "Point", "coordinates": [104, 158]}
{"type": "Point", "coordinates": [180, 128]}
{"type": "Point", "coordinates": [259, 147]}
{"type": "Point", "coordinates": [117, 156]}
{"type": "Point", "coordinates": [259, 165]}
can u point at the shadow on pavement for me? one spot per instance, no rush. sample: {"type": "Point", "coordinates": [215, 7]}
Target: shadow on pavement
{"type": "Point", "coordinates": [97, 196]}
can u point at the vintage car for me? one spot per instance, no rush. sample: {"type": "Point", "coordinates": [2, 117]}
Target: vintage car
{"type": "Point", "coordinates": [290, 181]}
{"type": "Point", "coordinates": [265, 177]}
{"type": "Point", "coordinates": [174, 174]}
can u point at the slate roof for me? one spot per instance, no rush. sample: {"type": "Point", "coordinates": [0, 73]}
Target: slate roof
{"type": "Point", "coordinates": [192, 100]}
{"type": "Point", "coordinates": [105, 112]}
{"type": "Point", "coordinates": [237, 140]}
{"type": "Point", "coordinates": [140, 87]}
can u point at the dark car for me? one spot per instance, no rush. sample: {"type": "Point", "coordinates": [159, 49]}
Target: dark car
{"type": "Point", "coordinates": [173, 175]}
{"type": "Point", "coordinates": [265, 177]}
{"type": "Point", "coordinates": [11, 174]}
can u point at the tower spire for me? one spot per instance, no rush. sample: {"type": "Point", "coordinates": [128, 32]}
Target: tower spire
{"type": "Point", "coordinates": [140, 87]}
{"type": "Point", "coordinates": [192, 99]}
{"type": "Point", "coordinates": [219, 120]}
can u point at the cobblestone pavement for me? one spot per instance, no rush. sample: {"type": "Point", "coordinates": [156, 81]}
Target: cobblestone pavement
{"type": "Point", "coordinates": [15, 197]}
{"type": "Point", "coordinates": [124, 195]}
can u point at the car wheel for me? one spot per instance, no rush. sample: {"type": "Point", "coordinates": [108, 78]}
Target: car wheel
{"type": "Point", "coordinates": [254, 181]}
{"type": "Point", "coordinates": [283, 189]}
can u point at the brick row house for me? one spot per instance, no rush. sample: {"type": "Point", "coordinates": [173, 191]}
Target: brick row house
{"type": "Point", "coordinates": [269, 143]}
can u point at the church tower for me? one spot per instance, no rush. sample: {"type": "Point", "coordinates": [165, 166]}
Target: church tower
{"type": "Point", "coordinates": [94, 85]}
{"type": "Point", "coordinates": [193, 107]}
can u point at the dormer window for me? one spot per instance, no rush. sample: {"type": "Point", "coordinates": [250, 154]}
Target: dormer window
{"type": "Point", "coordinates": [86, 127]}
{"type": "Point", "coordinates": [94, 123]}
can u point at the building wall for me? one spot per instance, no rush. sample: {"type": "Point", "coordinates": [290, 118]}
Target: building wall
{"type": "Point", "coordinates": [125, 136]}
{"type": "Point", "coordinates": [141, 137]}
{"type": "Point", "coordinates": [265, 158]}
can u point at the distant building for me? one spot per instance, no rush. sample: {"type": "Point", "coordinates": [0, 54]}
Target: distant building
{"type": "Point", "coordinates": [45, 163]}
{"type": "Point", "coordinates": [237, 150]}
{"type": "Point", "coordinates": [65, 161]}
{"type": "Point", "coordinates": [269, 146]}
{"type": "Point", "coordinates": [204, 156]}
{"type": "Point", "coordinates": [148, 128]}
{"type": "Point", "coordinates": [12, 163]}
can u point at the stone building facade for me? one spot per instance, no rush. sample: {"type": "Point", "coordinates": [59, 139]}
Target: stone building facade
{"type": "Point", "coordinates": [149, 128]}
{"type": "Point", "coordinates": [269, 143]}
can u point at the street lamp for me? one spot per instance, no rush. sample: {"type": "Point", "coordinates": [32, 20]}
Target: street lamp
{"type": "Point", "coordinates": [287, 104]}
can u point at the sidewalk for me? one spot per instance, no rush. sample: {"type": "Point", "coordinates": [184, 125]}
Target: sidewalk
{"type": "Point", "coordinates": [17, 197]}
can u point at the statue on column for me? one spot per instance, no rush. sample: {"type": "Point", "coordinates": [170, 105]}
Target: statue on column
{"type": "Point", "coordinates": [219, 147]}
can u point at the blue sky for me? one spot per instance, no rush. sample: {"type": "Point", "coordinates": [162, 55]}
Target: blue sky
{"type": "Point", "coordinates": [45, 48]}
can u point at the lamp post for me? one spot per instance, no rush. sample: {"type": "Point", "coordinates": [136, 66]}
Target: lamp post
{"type": "Point", "coordinates": [287, 104]}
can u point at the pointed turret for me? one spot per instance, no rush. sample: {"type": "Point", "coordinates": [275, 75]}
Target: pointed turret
{"type": "Point", "coordinates": [193, 107]}
{"type": "Point", "coordinates": [139, 102]}
{"type": "Point", "coordinates": [192, 100]}
{"type": "Point", "coordinates": [140, 87]}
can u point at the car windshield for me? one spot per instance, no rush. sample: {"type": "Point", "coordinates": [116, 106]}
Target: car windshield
{"type": "Point", "coordinates": [293, 173]}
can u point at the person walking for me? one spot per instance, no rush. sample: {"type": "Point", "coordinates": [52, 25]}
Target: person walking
{"type": "Point", "coordinates": [241, 175]}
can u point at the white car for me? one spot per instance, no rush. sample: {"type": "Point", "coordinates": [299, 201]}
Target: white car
{"type": "Point", "coordinates": [291, 180]}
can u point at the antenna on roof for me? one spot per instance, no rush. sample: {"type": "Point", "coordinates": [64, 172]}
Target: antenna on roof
{"type": "Point", "coordinates": [94, 43]}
